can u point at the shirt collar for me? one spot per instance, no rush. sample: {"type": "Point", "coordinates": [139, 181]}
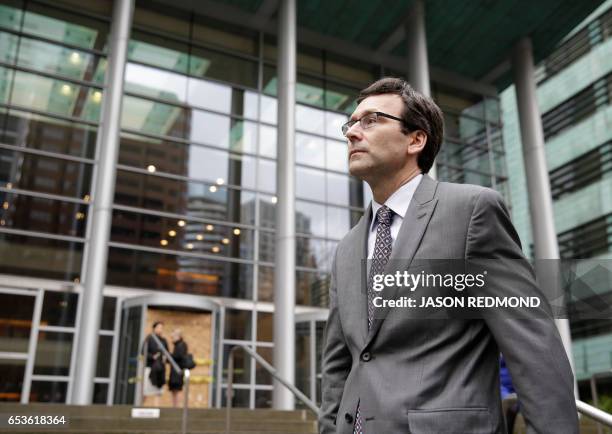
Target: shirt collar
{"type": "Point", "coordinates": [399, 201]}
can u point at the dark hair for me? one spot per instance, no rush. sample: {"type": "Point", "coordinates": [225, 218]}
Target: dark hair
{"type": "Point", "coordinates": [420, 113]}
{"type": "Point", "coordinates": [156, 323]}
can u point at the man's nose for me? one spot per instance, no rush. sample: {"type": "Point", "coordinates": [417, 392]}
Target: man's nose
{"type": "Point", "coordinates": [354, 132]}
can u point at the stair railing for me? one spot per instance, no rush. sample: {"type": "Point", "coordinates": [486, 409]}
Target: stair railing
{"type": "Point", "coordinates": [186, 376]}
{"type": "Point", "coordinates": [271, 370]}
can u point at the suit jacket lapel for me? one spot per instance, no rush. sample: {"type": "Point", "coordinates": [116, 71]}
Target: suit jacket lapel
{"type": "Point", "coordinates": [357, 284]}
{"type": "Point", "coordinates": [410, 234]}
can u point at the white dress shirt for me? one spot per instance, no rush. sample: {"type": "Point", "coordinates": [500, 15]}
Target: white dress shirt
{"type": "Point", "coordinates": [398, 202]}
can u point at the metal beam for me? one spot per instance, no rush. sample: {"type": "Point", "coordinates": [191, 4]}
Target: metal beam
{"type": "Point", "coordinates": [393, 39]}
{"type": "Point", "coordinates": [95, 261]}
{"type": "Point", "coordinates": [265, 12]}
{"type": "Point", "coordinates": [284, 272]}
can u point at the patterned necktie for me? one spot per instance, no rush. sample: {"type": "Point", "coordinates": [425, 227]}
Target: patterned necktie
{"type": "Point", "coordinates": [380, 257]}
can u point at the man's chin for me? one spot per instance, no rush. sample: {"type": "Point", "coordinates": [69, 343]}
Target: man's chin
{"type": "Point", "coordinates": [358, 170]}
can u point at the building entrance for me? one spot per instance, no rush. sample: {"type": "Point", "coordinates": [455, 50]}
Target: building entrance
{"type": "Point", "coordinates": [197, 320]}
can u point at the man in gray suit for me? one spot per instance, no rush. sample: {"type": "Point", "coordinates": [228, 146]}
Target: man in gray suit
{"type": "Point", "coordinates": [391, 372]}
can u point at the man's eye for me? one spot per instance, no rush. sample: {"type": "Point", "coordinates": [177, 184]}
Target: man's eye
{"type": "Point", "coordinates": [368, 121]}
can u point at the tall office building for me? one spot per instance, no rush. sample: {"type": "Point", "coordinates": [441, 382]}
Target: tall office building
{"type": "Point", "coordinates": [574, 88]}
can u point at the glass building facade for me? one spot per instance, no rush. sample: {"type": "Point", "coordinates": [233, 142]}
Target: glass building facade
{"type": "Point", "coordinates": [574, 92]}
{"type": "Point", "coordinates": [194, 204]}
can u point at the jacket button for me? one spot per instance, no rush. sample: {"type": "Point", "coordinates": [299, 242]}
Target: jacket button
{"type": "Point", "coordinates": [366, 357]}
{"type": "Point", "coordinates": [348, 418]}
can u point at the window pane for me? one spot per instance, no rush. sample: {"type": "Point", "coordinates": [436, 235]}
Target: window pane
{"type": "Point", "coordinates": [11, 378]}
{"type": "Point", "coordinates": [242, 366]}
{"type": "Point", "coordinates": [338, 222]}
{"type": "Point", "coordinates": [238, 324]}
{"type": "Point", "coordinates": [43, 215]}
{"type": "Point", "coordinates": [312, 288]}
{"type": "Point", "coordinates": [181, 234]}
{"type": "Point", "coordinates": [266, 180]}
{"type": "Point", "coordinates": [59, 309]}
{"type": "Point", "coordinates": [56, 59]}
{"type": "Point", "coordinates": [100, 393]}
{"type": "Point", "coordinates": [65, 27]}
{"type": "Point", "coordinates": [105, 349]}
{"type": "Point", "coordinates": [108, 313]}
{"type": "Point", "coordinates": [16, 313]}
{"type": "Point", "coordinates": [333, 125]}
{"type": "Point", "coordinates": [39, 257]}
{"type": "Point", "coordinates": [261, 375]}
{"type": "Point", "coordinates": [302, 357]}
{"type": "Point", "coordinates": [209, 95]}
{"type": "Point", "coordinates": [8, 48]}
{"type": "Point", "coordinates": [48, 391]}
{"type": "Point", "coordinates": [265, 326]}
{"type": "Point", "coordinates": [53, 353]}
{"type": "Point", "coordinates": [151, 117]}
{"type": "Point", "coordinates": [223, 67]}
{"type": "Point", "coordinates": [263, 399]}
{"type": "Point", "coordinates": [56, 96]}
{"type": "Point", "coordinates": [338, 189]}
{"type": "Point", "coordinates": [20, 128]}
{"type": "Point", "coordinates": [269, 109]}
{"type": "Point", "coordinates": [44, 174]}
{"type": "Point", "coordinates": [309, 150]}
{"type": "Point", "coordinates": [156, 83]}
{"type": "Point", "coordinates": [11, 15]}
{"type": "Point", "coordinates": [265, 277]}
{"type": "Point", "coordinates": [6, 85]}
{"type": "Point", "coordinates": [158, 51]}
{"type": "Point", "coordinates": [267, 141]}
{"type": "Point", "coordinates": [337, 156]}
{"type": "Point", "coordinates": [309, 119]}
{"type": "Point", "coordinates": [310, 218]}
{"type": "Point", "coordinates": [179, 274]}
{"type": "Point", "coordinates": [310, 184]}
{"type": "Point", "coordinates": [240, 399]}
{"type": "Point", "coordinates": [197, 199]}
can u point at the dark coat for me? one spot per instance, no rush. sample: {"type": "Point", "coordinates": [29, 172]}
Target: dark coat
{"type": "Point", "coordinates": [178, 354]}
{"type": "Point", "coordinates": [158, 369]}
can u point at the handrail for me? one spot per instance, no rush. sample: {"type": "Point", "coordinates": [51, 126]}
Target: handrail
{"type": "Point", "coordinates": [271, 370]}
{"type": "Point", "coordinates": [186, 376]}
{"type": "Point", "coordinates": [594, 413]}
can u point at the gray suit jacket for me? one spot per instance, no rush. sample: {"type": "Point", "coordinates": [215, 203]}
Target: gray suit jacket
{"type": "Point", "coordinates": [431, 376]}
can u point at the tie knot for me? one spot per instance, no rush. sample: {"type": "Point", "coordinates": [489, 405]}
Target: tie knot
{"type": "Point", "coordinates": [384, 215]}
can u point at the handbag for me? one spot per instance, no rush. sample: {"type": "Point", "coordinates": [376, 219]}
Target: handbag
{"type": "Point", "coordinates": [188, 362]}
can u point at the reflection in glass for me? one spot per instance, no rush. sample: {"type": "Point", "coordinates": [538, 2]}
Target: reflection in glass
{"type": "Point", "coordinates": [65, 27]}
{"type": "Point", "coordinates": [266, 181]}
{"type": "Point", "coordinates": [103, 363]}
{"type": "Point", "coordinates": [60, 60]}
{"type": "Point", "coordinates": [56, 96]}
{"type": "Point", "coordinates": [156, 83]}
{"type": "Point", "coordinates": [11, 379]}
{"type": "Point", "coordinates": [15, 322]}
{"type": "Point", "coordinates": [222, 66]}
{"type": "Point", "coordinates": [302, 357]}
{"type": "Point", "coordinates": [208, 95]}
{"type": "Point", "coordinates": [267, 141]}
{"type": "Point", "coordinates": [338, 189]}
{"type": "Point", "coordinates": [8, 50]}
{"type": "Point", "coordinates": [269, 109]}
{"type": "Point", "coordinates": [108, 313]}
{"type": "Point", "coordinates": [100, 393]}
{"type": "Point", "coordinates": [48, 134]}
{"type": "Point", "coordinates": [265, 288]}
{"type": "Point", "coordinates": [338, 222]}
{"type": "Point", "coordinates": [265, 323]}
{"type": "Point", "coordinates": [44, 174]}
{"type": "Point", "coordinates": [263, 398]}
{"type": "Point", "coordinates": [11, 16]}
{"type": "Point", "coordinates": [309, 150]}
{"type": "Point", "coordinates": [48, 391]}
{"type": "Point", "coordinates": [187, 274]}
{"type": "Point", "coordinates": [238, 324]}
{"type": "Point", "coordinates": [151, 117]}
{"type": "Point", "coordinates": [59, 309]}
{"type": "Point", "coordinates": [53, 353]}
{"type": "Point", "coordinates": [182, 234]}
{"type": "Point", "coordinates": [333, 125]}
{"type": "Point", "coordinates": [242, 366]}
{"type": "Point", "coordinates": [309, 119]}
{"type": "Point", "coordinates": [309, 183]}
{"type": "Point", "coordinates": [312, 253]}
{"type": "Point", "coordinates": [241, 396]}
{"type": "Point", "coordinates": [312, 288]}
{"type": "Point", "coordinates": [261, 375]}
{"type": "Point", "coordinates": [310, 218]}
{"type": "Point", "coordinates": [40, 257]}
{"type": "Point", "coordinates": [158, 51]}
{"type": "Point", "coordinates": [337, 156]}
{"type": "Point", "coordinates": [42, 215]}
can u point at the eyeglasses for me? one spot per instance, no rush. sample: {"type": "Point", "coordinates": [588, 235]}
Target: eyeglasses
{"type": "Point", "coordinates": [368, 121]}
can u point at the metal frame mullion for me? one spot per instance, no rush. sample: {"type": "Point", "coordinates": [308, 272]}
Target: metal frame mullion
{"type": "Point", "coordinates": [32, 345]}
{"type": "Point", "coordinates": [26, 109]}
{"type": "Point", "coordinates": [34, 151]}
{"type": "Point", "coordinates": [42, 235]}
{"type": "Point", "coordinates": [51, 75]}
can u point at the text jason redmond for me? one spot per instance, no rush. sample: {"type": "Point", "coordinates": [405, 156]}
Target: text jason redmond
{"type": "Point", "coordinates": [477, 302]}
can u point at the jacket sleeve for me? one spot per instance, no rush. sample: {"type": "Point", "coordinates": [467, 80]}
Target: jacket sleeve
{"type": "Point", "coordinates": [337, 361]}
{"type": "Point", "coordinates": [531, 344]}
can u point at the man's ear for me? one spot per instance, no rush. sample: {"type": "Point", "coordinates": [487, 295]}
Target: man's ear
{"type": "Point", "coordinates": [417, 141]}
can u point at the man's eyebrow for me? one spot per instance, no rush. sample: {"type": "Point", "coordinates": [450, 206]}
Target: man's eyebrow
{"type": "Point", "coordinates": [365, 112]}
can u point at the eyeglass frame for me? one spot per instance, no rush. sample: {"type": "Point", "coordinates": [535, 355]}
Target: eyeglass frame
{"type": "Point", "coordinates": [348, 125]}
